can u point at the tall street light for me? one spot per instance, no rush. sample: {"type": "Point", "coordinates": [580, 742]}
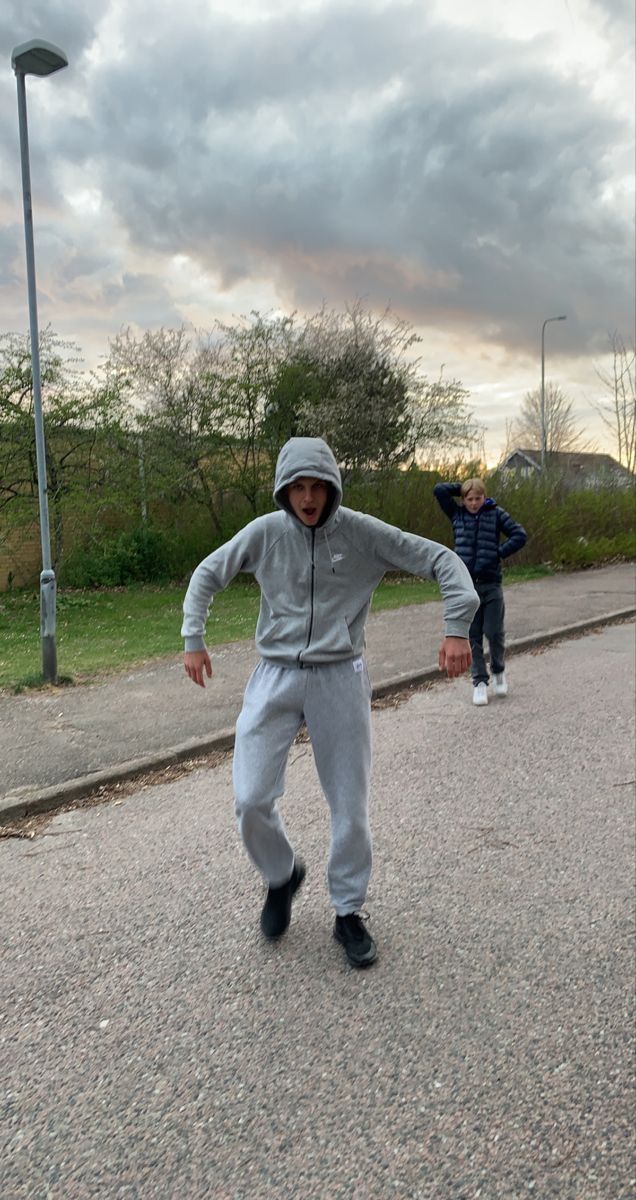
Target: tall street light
{"type": "Point", "coordinates": [37, 58]}
{"type": "Point", "coordinates": [543, 427]}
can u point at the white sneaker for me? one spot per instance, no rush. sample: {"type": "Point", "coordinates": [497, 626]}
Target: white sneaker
{"type": "Point", "coordinates": [480, 694]}
{"type": "Point", "coordinates": [500, 685]}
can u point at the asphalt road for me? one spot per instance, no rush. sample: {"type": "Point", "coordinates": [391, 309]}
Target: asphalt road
{"type": "Point", "coordinates": [152, 1046]}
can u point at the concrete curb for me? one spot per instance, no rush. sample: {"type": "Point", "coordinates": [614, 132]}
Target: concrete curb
{"type": "Point", "coordinates": [29, 803]}
{"type": "Point", "coordinates": [415, 678]}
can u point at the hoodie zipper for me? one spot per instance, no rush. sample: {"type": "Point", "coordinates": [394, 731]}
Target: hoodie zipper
{"type": "Point", "coordinates": [311, 614]}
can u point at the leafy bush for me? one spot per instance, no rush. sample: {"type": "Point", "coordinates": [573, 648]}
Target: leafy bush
{"type": "Point", "coordinates": [565, 527]}
{"type": "Point", "coordinates": [138, 555]}
{"type": "Point", "coordinates": [581, 552]}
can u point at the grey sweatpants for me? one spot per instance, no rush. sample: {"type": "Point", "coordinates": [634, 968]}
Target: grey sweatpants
{"type": "Point", "coordinates": [334, 700]}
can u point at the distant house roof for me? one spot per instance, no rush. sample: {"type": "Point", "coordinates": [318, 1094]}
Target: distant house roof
{"type": "Point", "coordinates": [571, 462]}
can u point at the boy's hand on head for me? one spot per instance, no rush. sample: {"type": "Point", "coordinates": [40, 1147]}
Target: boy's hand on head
{"type": "Point", "coordinates": [195, 663]}
{"type": "Point", "coordinates": [454, 656]}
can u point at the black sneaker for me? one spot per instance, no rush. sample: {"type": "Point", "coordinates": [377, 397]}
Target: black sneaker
{"type": "Point", "coordinates": [276, 913]}
{"type": "Point", "coordinates": [359, 946]}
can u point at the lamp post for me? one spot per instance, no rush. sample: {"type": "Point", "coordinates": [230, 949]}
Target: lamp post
{"type": "Point", "coordinates": [543, 428]}
{"type": "Point", "coordinates": [37, 58]}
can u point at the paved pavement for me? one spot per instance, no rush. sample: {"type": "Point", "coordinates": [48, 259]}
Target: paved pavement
{"type": "Point", "coordinates": [152, 1047]}
{"type": "Point", "coordinates": [59, 743]}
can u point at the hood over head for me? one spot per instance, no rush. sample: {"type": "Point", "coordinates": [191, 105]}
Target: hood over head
{"type": "Point", "coordinates": [313, 458]}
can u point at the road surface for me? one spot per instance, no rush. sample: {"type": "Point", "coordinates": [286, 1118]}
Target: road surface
{"type": "Point", "coordinates": [153, 1046]}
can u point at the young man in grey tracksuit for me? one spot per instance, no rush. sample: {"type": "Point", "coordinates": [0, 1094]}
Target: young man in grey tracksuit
{"type": "Point", "coordinates": [317, 564]}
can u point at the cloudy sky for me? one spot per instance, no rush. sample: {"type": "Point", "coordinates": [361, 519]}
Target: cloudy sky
{"type": "Point", "coordinates": [470, 165]}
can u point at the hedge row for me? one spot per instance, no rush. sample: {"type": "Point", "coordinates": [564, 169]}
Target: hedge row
{"type": "Point", "coordinates": [566, 528]}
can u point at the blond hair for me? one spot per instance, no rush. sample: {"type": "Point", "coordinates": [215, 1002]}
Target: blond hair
{"type": "Point", "coordinates": [473, 485]}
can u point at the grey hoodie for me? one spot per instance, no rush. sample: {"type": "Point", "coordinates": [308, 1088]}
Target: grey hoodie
{"type": "Point", "coordinates": [317, 583]}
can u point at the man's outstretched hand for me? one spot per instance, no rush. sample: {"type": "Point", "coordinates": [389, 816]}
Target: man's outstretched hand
{"type": "Point", "coordinates": [454, 656]}
{"type": "Point", "coordinates": [196, 662]}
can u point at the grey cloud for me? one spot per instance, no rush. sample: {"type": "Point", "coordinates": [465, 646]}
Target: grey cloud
{"type": "Point", "coordinates": [344, 152]}
{"type": "Point", "coordinates": [8, 254]}
{"type": "Point", "coordinates": [621, 11]}
{"type": "Point", "coordinates": [118, 291]}
{"type": "Point", "coordinates": [69, 24]}
{"type": "Point", "coordinates": [221, 65]}
{"type": "Point", "coordinates": [491, 178]}
{"type": "Point", "coordinates": [77, 265]}
{"type": "Point", "coordinates": [91, 312]}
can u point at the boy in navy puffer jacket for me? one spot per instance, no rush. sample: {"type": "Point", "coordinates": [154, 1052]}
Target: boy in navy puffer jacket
{"type": "Point", "coordinates": [478, 524]}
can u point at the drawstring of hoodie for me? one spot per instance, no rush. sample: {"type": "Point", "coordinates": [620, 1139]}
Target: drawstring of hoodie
{"type": "Point", "coordinates": [333, 569]}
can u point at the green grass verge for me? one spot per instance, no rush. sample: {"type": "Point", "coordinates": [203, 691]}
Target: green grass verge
{"type": "Point", "coordinates": [114, 629]}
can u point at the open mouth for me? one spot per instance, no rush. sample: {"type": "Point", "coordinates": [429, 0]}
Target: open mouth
{"type": "Point", "coordinates": [309, 513]}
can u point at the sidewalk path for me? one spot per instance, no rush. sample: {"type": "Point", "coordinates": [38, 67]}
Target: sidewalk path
{"type": "Point", "coordinates": [64, 741]}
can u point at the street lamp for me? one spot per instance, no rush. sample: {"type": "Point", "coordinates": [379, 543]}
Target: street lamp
{"type": "Point", "coordinates": [543, 428]}
{"type": "Point", "coordinates": [37, 58]}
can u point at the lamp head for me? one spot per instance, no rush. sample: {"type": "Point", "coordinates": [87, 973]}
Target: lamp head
{"type": "Point", "coordinates": [38, 58]}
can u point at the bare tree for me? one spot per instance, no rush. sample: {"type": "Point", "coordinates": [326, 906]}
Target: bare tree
{"type": "Point", "coordinates": [172, 384]}
{"type": "Point", "coordinates": [562, 431]}
{"type": "Point", "coordinates": [619, 413]}
{"type": "Point", "coordinates": [201, 404]}
{"type": "Point", "coordinates": [442, 420]}
{"type": "Point", "coordinates": [154, 368]}
{"type": "Point", "coordinates": [220, 407]}
{"type": "Point", "coordinates": [251, 354]}
{"type": "Point", "coordinates": [82, 416]}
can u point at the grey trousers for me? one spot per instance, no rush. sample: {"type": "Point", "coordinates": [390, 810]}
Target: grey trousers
{"type": "Point", "coordinates": [335, 702]}
{"type": "Point", "coordinates": [488, 622]}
